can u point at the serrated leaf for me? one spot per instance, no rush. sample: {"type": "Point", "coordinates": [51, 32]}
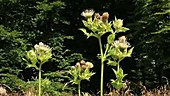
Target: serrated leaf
{"type": "Point", "coordinates": [31, 65]}
{"type": "Point", "coordinates": [83, 30]}
{"type": "Point", "coordinates": [130, 52]}
{"type": "Point", "coordinates": [113, 63]}
{"type": "Point", "coordinates": [114, 71]}
{"type": "Point", "coordinates": [25, 60]}
{"type": "Point", "coordinates": [122, 29]}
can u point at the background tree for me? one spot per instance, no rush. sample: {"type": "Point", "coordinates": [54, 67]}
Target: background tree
{"type": "Point", "coordinates": [25, 23]}
{"type": "Point", "coordinates": [150, 31]}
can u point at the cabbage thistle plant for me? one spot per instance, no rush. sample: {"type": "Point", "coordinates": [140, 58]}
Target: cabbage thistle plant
{"type": "Point", "coordinates": [37, 57]}
{"type": "Point", "coordinates": [115, 50]}
{"type": "Point", "coordinates": [81, 71]}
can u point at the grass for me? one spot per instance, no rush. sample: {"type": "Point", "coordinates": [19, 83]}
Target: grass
{"type": "Point", "coordinates": [162, 91]}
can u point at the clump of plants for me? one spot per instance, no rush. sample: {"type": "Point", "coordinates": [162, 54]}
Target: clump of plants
{"type": "Point", "coordinates": [36, 58]}
{"type": "Point", "coordinates": [81, 71]}
{"type": "Point", "coordinates": [115, 50]}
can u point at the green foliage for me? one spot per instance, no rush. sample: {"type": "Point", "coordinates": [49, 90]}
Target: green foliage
{"type": "Point", "coordinates": [115, 50]}
{"type": "Point", "coordinates": [118, 83]}
{"type": "Point", "coordinates": [151, 36]}
{"type": "Point", "coordinates": [118, 25]}
{"type": "Point", "coordinates": [25, 23]}
{"type": "Point", "coordinates": [78, 75]}
{"type": "Point", "coordinates": [13, 82]}
{"type": "Point", "coordinates": [98, 26]}
{"type": "Point", "coordinates": [81, 71]}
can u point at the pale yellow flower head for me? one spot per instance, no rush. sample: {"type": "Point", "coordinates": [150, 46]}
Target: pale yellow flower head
{"type": "Point", "coordinates": [122, 39]}
{"type": "Point", "coordinates": [2, 91]}
{"type": "Point", "coordinates": [77, 64]}
{"type": "Point", "coordinates": [43, 52]}
{"type": "Point", "coordinates": [82, 62]}
{"type": "Point", "coordinates": [87, 13]}
{"type": "Point", "coordinates": [118, 23]}
{"type": "Point", "coordinates": [89, 64]}
{"type": "Point", "coordinates": [84, 65]}
{"type": "Point", "coordinates": [122, 43]}
{"type": "Point", "coordinates": [42, 47]}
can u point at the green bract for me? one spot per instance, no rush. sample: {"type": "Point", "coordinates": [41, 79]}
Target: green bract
{"type": "Point", "coordinates": [118, 25]}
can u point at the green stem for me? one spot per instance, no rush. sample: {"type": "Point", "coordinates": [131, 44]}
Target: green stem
{"type": "Point", "coordinates": [102, 67]}
{"type": "Point", "coordinates": [39, 81]}
{"type": "Point", "coordinates": [118, 65]}
{"type": "Point", "coordinates": [79, 93]}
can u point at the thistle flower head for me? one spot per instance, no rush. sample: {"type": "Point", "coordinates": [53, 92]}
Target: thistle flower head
{"type": "Point", "coordinates": [42, 47]}
{"type": "Point", "coordinates": [82, 62]}
{"type": "Point", "coordinates": [118, 23]}
{"type": "Point", "coordinates": [89, 64]}
{"type": "Point", "coordinates": [121, 43]}
{"type": "Point", "coordinates": [87, 13]}
{"type": "Point", "coordinates": [105, 16]}
{"type": "Point", "coordinates": [84, 65]}
{"type": "Point", "coordinates": [43, 52]}
{"type": "Point", "coordinates": [97, 16]}
{"type": "Point", "coordinates": [122, 39]}
{"type": "Point", "coordinates": [77, 64]}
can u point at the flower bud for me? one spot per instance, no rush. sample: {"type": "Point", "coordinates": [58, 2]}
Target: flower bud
{"type": "Point", "coordinates": [43, 52]}
{"type": "Point", "coordinates": [118, 23]}
{"type": "Point", "coordinates": [123, 45]}
{"type": "Point", "coordinates": [72, 67]}
{"type": "Point", "coordinates": [31, 55]}
{"type": "Point", "coordinates": [82, 62]}
{"type": "Point", "coordinates": [77, 64]}
{"type": "Point", "coordinates": [89, 64]}
{"type": "Point", "coordinates": [84, 66]}
{"type": "Point", "coordinates": [122, 39]}
{"type": "Point", "coordinates": [97, 16]}
{"type": "Point", "coordinates": [105, 16]}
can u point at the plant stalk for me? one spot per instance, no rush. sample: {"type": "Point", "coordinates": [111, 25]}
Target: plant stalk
{"type": "Point", "coordinates": [39, 81]}
{"type": "Point", "coordinates": [102, 67]}
{"type": "Point", "coordinates": [79, 93]}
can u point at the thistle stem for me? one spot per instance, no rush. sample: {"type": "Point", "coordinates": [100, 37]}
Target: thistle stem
{"type": "Point", "coordinates": [102, 67]}
{"type": "Point", "coordinates": [79, 93]}
{"type": "Point", "coordinates": [39, 81]}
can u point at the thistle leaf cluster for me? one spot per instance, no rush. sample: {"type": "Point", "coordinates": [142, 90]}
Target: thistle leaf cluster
{"type": "Point", "coordinates": [39, 55]}
{"type": "Point", "coordinates": [81, 71]}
